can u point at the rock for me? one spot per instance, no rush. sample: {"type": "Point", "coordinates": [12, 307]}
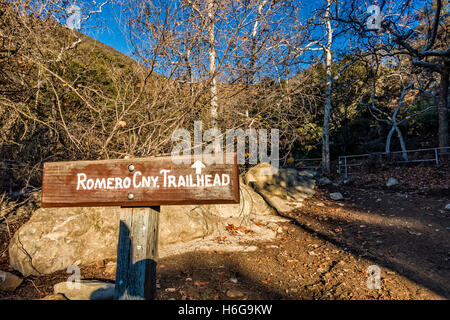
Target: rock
{"type": "Point", "coordinates": [283, 189]}
{"type": "Point", "coordinates": [336, 196]}
{"type": "Point", "coordinates": [391, 182]}
{"type": "Point", "coordinates": [447, 207]}
{"type": "Point", "coordinates": [320, 204]}
{"type": "Point", "coordinates": [185, 223]}
{"type": "Point", "coordinates": [85, 290]}
{"type": "Point", "coordinates": [58, 296]}
{"type": "Point", "coordinates": [100, 264]}
{"type": "Point", "coordinates": [273, 226]}
{"type": "Point", "coordinates": [310, 172]}
{"type": "Point", "coordinates": [324, 180]}
{"type": "Point", "coordinates": [307, 173]}
{"type": "Point", "coordinates": [251, 203]}
{"type": "Point", "coordinates": [56, 238]}
{"type": "Point", "coordinates": [233, 293]}
{"type": "Point", "coordinates": [9, 281]}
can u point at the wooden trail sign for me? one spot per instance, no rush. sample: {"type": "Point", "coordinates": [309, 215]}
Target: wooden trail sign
{"type": "Point", "coordinates": [137, 183]}
{"type": "Point", "coordinates": [139, 186]}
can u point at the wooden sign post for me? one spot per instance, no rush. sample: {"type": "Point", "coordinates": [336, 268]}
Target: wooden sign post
{"type": "Point", "coordinates": [140, 187]}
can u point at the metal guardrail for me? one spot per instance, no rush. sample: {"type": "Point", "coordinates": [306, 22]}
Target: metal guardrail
{"type": "Point", "coordinates": [347, 162]}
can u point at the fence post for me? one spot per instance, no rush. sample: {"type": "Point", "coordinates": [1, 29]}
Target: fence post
{"type": "Point", "coordinates": [345, 168]}
{"type": "Point", "coordinates": [436, 155]}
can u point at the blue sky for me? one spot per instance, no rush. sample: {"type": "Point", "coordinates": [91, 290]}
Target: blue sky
{"type": "Point", "coordinates": [109, 27]}
{"type": "Point", "coordinates": [112, 30]}
{"type": "Point", "coordinates": [113, 23]}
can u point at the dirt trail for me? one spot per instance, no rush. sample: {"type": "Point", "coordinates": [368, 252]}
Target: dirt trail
{"type": "Point", "coordinates": [324, 254]}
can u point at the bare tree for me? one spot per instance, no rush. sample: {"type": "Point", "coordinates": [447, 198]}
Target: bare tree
{"type": "Point", "coordinates": [328, 89]}
{"type": "Point", "coordinates": [418, 30]}
{"type": "Point", "coordinates": [398, 110]}
{"type": "Point", "coordinates": [401, 113]}
{"type": "Point", "coordinates": [212, 63]}
{"type": "Point", "coordinates": [434, 54]}
{"type": "Point", "coordinates": [325, 16]}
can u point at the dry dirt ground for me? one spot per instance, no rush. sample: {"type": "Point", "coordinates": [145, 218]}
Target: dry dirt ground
{"type": "Point", "coordinates": [323, 253]}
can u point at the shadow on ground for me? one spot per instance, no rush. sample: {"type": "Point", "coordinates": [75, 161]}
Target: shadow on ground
{"type": "Point", "coordinates": [406, 235]}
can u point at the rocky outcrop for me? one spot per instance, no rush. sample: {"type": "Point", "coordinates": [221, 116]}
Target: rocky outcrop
{"type": "Point", "coordinates": [283, 189]}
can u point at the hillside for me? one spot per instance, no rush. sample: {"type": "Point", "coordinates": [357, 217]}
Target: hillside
{"type": "Point", "coordinates": [58, 89]}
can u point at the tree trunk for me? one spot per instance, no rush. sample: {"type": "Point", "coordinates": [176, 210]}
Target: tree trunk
{"type": "Point", "coordinates": [212, 65]}
{"type": "Point", "coordinates": [327, 112]}
{"type": "Point", "coordinates": [388, 140]}
{"type": "Point", "coordinates": [402, 143]}
{"type": "Point", "coordinates": [443, 109]}
{"type": "Point", "coordinates": [251, 71]}
{"type": "Point", "coordinates": [400, 138]}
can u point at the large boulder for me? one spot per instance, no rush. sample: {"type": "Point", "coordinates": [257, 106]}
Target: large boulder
{"type": "Point", "coordinates": [184, 223]}
{"type": "Point", "coordinates": [56, 238]}
{"type": "Point", "coordinates": [251, 203]}
{"type": "Point", "coordinates": [283, 189]}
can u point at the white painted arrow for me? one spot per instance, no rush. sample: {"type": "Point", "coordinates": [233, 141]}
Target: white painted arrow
{"type": "Point", "coordinates": [198, 166]}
